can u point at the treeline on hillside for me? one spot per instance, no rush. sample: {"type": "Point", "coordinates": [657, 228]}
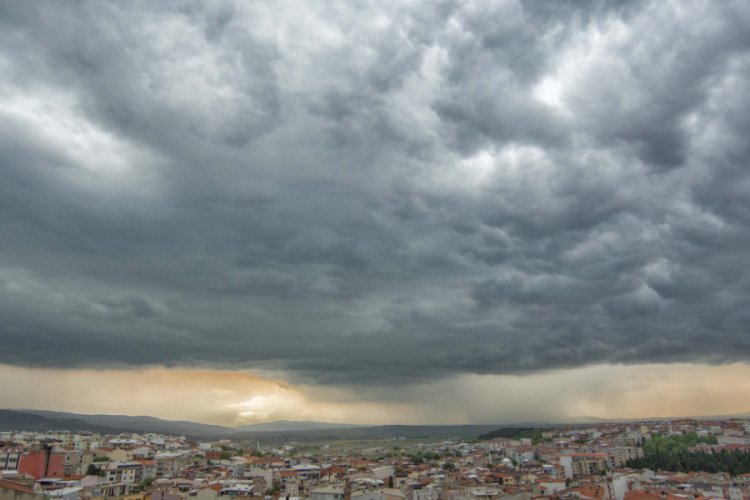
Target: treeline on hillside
{"type": "Point", "coordinates": [734, 462]}
{"type": "Point", "coordinates": [672, 453]}
{"type": "Point", "coordinates": [514, 433]}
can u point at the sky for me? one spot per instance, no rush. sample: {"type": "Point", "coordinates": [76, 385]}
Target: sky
{"type": "Point", "coordinates": [375, 212]}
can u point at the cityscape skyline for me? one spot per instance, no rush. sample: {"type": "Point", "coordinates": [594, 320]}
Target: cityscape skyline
{"type": "Point", "coordinates": [132, 460]}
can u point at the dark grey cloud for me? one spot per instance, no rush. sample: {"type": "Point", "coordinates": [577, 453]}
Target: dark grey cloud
{"type": "Point", "coordinates": [374, 192]}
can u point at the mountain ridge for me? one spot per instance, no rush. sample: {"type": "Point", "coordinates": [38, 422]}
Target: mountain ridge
{"type": "Point", "coordinates": [284, 430]}
{"type": "Point", "coordinates": [277, 431]}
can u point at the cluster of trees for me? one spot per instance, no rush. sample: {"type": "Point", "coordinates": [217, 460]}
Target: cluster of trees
{"type": "Point", "coordinates": [422, 457]}
{"type": "Point", "coordinates": [734, 462]}
{"type": "Point", "coordinates": [675, 443]}
{"type": "Point", "coordinates": [673, 453]}
{"type": "Point", "coordinates": [534, 434]}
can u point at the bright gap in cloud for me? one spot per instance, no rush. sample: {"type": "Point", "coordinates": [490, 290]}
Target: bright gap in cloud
{"type": "Point", "coordinates": [87, 156]}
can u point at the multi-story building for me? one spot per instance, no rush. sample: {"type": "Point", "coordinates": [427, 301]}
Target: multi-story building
{"type": "Point", "coordinates": [123, 472]}
{"type": "Point", "coordinates": [584, 464]}
{"type": "Point", "coordinates": [41, 463]}
{"type": "Point", "coordinates": [9, 459]}
{"type": "Point", "coordinates": [170, 464]}
{"type": "Point", "coordinates": [620, 455]}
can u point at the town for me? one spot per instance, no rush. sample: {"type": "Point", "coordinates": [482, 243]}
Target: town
{"type": "Point", "coordinates": [618, 461]}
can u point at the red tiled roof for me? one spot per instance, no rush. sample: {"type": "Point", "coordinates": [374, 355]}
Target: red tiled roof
{"type": "Point", "coordinates": [4, 483]}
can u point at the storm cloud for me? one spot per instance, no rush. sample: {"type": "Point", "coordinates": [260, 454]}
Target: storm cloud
{"type": "Point", "coordinates": [382, 192]}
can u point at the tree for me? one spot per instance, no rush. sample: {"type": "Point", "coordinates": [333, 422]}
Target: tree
{"type": "Point", "coordinates": [93, 470]}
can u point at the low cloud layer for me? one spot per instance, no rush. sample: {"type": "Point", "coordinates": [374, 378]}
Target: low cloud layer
{"type": "Point", "coordinates": [382, 193]}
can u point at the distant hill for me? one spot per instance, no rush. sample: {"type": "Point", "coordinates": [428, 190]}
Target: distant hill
{"type": "Point", "coordinates": [380, 432]}
{"type": "Point", "coordinates": [41, 420]}
{"type": "Point", "coordinates": [272, 432]}
{"type": "Point", "coordinates": [21, 420]}
{"type": "Point", "coordinates": [281, 431]}
{"type": "Point", "coordinates": [512, 433]}
{"type": "Point", "coordinates": [292, 425]}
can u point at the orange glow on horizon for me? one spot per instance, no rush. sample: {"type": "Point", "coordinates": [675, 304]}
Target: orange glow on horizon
{"type": "Point", "coordinates": [237, 398]}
